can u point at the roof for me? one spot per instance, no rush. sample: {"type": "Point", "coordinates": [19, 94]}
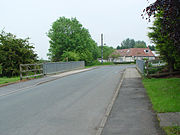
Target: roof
{"type": "Point", "coordinates": [146, 52]}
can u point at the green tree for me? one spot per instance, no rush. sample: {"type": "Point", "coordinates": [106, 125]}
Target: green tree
{"type": "Point", "coordinates": [70, 56]}
{"type": "Point", "coordinates": [118, 47]}
{"type": "Point", "coordinates": [128, 43]}
{"type": "Point", "coordinates": [68, 35]}
{"type": "Point", "coordinates": [164, 43]}
{"type": "Point", "coordinates": [13, 52]}
{"type": "Point", "coordinates": [140, 44]}
{"type": "Point", "coordinates": [106, 51]}
{"type": "Point", "coordinates": [41, 60]}
{"type": "Point", "coordinates": [170, 18]}
{"type": "Point", "coordinates": [115, 55]}
{"type": "Point", "coordinates": [152, 48]}
{"type": "Point", "coordinates": [131, 43]}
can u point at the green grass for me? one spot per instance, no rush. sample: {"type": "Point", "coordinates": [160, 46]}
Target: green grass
{"type": "Point", "coordinates": [4, 80]}
{"type": "Point", "coordinates": [164, 94]}
{"type": "Point", "coordinates": [175, 130]}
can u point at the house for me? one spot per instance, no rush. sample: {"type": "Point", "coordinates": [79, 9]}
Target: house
{"type": "Point", "coordinates": [156, 53]}
{"type": "Point", "coordinates": [100, 60]}
{"type": "Point", "coordinates": [131, 54]}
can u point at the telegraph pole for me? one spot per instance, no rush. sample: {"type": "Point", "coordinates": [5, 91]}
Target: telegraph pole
{"type": "Point", "coordinates": [101, 48]}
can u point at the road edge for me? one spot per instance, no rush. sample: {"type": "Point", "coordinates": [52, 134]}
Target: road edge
{"type": "Point", "coordinates": [42, 82]}
{"type": "Point", "coordinates": [19, 81]}
{"type": "Point", "coordinates": [110, 106]}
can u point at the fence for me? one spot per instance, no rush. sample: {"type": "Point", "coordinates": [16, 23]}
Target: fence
{"type": "Point", "coordinates": [34, 70]}
{"type": "Point", "coordinates": [154, 68]}
{"type": "Point", "coordinates": [30, 70]}
{"type": "Point", "coordinates": [151, 68]}
{"type": "Point", "coordinates": [140, 64]}
{"type": "Point", "coordinates": [55, 67]}
{"type": "Point", "coordinates": [158, 68]}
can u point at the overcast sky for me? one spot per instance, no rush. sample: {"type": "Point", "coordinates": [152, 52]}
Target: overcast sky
{"type": "Point", "coordinates": [116, 19]}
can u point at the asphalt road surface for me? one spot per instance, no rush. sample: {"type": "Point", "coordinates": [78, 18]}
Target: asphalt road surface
{"type": "Point", "coordinates": [72, 105]}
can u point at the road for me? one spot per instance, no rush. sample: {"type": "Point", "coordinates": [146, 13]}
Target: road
{"type": "Point", "coordinates": [72, 105]}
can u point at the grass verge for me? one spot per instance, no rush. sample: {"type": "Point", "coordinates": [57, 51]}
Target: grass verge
{"type": "Point", "coordinates": [5, 80]}
{"type": "Point", "coordinates": [172, 130]}
{"type": "Point", "coordinates": [164, 94]}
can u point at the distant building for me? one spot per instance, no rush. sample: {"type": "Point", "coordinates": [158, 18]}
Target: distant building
{"type": "Point", "coordinates": [156, 53]}
{"type": "Point", "coordinates": [100, 60]}
{"type": "Point", "coordinates": [132, 54]}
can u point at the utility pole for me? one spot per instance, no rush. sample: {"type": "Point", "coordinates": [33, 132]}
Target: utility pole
{"type": "Point", "coordinates": [101, 48]}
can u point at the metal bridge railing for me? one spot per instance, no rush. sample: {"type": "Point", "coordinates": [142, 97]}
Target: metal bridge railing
{"type": "Point", "coordinates": [56, 67]}
{"type": "Point", "coordinates": [34, 70]}
{"type": "Point", "coordinates": [140, 64]}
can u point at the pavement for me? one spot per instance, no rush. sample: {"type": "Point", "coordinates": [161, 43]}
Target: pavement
{"type": "Point", "coordinates": [132, 112]}
{"type": "Point", "coordinates": [169, 119]}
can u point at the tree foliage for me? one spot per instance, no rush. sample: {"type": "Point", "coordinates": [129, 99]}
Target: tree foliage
{"type": "Point", "coordinates": [70, 56]}
{"type": "Point", "coordinates": [164, 44]}
{"type": "Point", "coordinates": [170, 18]}
{"type": "Point", "coordinates": [140, 44]}
{"type": "Point", "coordinates": [114, 55]}
{"type": "Point", "coordinates": [13, 52]}
{"type": "Point", "coordinates": [152, 48]}
{"type": "Point", "coordinates": [118, 47]}
{"type": "Point", "coordinates": [106, 51]}
{"type": "Point", "coordinates": [131, 43]}
{"type": "Point", "coordinates": [69, 38]}
{"type": "Point", "coordinates": [128, 43]}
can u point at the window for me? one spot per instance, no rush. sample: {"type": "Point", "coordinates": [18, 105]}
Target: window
{"type": "Point", "coordinates": [146, 51]}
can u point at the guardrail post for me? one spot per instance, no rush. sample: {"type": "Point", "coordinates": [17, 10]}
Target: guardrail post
{"type": "Point", "coordinates": [27, 74]}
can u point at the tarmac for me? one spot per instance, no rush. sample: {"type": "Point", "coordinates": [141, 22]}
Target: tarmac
{"type": "Point", "coordinates": [132, 112]}
{"type": "Point", "coordinates": [11, 88]}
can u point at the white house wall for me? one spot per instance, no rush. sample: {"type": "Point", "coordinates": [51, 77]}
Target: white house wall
{"type": "Point", "coordinates": [129, 59]}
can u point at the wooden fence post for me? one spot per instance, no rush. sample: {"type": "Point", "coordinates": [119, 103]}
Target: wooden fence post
{"type": "Point", "coordinates": [35, 67]}
{"type": "Point", "coordinates": [20, 71]}
{"type": "Point", "coordinates": [31, 70]}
